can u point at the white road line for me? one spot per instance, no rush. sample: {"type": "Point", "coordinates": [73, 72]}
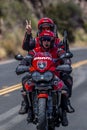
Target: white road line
{"type": "Point", "coordinates": [7, 61]}
{"type": "Point", "coordinates": [17, 119]}
{"type": "Point", "coordinates": [9, 113]}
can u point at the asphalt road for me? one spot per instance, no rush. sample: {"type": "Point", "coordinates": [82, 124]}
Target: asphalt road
{"type": "Point", "coordinates": [10, 103]}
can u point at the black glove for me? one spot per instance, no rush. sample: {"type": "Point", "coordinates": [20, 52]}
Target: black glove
{"type": "Point", "coordinates": [22, 69]}
{"type": "Point", "coordinates": [28, 59]}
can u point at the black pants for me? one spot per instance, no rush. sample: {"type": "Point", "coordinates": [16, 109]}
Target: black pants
{"type": "Point", "coordinates": [24, 80]}
{"type": "Point", "coordinates": [68, 80]}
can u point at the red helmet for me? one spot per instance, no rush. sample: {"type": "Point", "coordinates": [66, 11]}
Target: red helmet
{"type": "Point", "coordinates": [47, 36]}
{"type": "Point", "coordinates": [47, 33]}
{"type": "Point", "coordinates": [46, 22]}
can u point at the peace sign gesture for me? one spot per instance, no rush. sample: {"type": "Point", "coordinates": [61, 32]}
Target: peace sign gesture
{"type": "Point", "coordinates": [28, 26]}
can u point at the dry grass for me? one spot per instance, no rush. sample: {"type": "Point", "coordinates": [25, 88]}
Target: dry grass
{"type": "Point", "coordinates": [3, 53]}
{"type": "Point", "coordinates": [11, 42]}
{"type": "Point", "coordinates": [80, 39]}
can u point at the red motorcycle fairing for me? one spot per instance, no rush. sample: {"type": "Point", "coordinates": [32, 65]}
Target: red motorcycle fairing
{"type": "Point", "coordinates": [43, 62]}
{"type": "Point", "coordinates": [59, 85]}
{"type": "Point", "coordinates": [28, 87]}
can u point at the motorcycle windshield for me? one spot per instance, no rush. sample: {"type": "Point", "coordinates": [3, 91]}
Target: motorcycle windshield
{"type": "Point", "coordinates": [43, 54]}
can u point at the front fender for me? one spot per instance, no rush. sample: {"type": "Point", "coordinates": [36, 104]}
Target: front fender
{"type": "Point", "coordinates": [42, 95]}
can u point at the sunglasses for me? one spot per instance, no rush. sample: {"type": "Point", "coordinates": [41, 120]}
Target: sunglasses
{"type": "Point", "coordinates": [46, 38]}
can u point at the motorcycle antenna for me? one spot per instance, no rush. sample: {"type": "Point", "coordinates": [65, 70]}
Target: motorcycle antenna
{"type": "Point", "coordinates": [65, 41]}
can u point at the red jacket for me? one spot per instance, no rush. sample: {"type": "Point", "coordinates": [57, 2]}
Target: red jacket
{"type": "Point", "coordinates": [30, 43]}
{"type": "Point", "coordinates": [55, 53]}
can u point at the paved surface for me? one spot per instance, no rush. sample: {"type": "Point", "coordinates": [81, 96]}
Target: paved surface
{"type": "Point", "coordinates": [10, 103]}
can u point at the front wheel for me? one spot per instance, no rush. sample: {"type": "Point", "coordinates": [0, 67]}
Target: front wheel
{"type": "Point", "coordinates": [42, 120]}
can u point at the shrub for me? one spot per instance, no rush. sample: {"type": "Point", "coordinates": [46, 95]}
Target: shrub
{"type": "Point", "coordinates": [67, 16]}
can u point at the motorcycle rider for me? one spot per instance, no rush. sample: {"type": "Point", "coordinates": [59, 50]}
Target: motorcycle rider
{"type": "Point", "coordinates": [30, 43]}
{"type": "Point", "coordinates": [47, 39]}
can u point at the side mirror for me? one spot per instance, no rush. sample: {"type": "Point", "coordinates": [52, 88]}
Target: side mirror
{"type": "Point", "coordinates": [18, 57]}
{"type": "Point", "coordinates": [69, 55]}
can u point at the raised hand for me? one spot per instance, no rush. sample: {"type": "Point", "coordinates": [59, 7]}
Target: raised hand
{"type": "Point", "coordinates": [28, 26]}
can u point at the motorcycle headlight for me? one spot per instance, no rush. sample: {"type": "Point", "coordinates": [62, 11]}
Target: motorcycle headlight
{"type": "Point", "coordinates": [36, 76]}
{"type": "Point", "coordinates": [48, 76]}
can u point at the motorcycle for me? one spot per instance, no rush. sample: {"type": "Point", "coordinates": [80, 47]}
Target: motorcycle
{"type": "Point", "coordinates": [46, 88]}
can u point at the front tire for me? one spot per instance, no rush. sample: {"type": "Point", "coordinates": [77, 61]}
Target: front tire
{"type": "Point", "coordinates": [42, 120]}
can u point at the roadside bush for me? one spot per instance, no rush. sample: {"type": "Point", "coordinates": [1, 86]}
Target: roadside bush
{"type": "Point", "coordinates": [12, 41]}
{"type": "Point", "coordinates": [14, 12]}
{"type": "Point", "coordinates": [12, 25]}
{"type": "Point", "coordinates": [67, 16]}
{"type": "Point", "coordinates": [85, 27]}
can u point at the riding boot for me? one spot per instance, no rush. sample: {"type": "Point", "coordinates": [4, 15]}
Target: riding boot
{"type": "Point", "coordinates": [30, 116]}
{"type": "Point", "coordinates": [64, 118]}
{"type": "Point", "coordinates": [24, 104]}
{"type": "Point", "coordinates": [70, 109]}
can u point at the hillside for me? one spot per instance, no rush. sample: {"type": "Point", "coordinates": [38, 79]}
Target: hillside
{"type": "Point", "coordinates": [13, 14]}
